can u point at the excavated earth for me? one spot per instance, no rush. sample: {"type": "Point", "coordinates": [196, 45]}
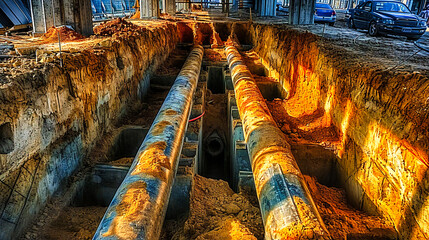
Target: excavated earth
{"type": "Point", "coordinates": [359, 97]}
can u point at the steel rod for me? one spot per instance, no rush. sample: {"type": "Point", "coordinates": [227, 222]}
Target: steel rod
{"type": "Point", "coordinates": [138, 208]}
{"type": "Point", "coordinates": [288, 211]}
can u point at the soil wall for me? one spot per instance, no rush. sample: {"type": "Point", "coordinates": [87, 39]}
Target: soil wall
{"type": "Point", "coordinates": [380, 112]}
{"type": "Point", "coordinates": [51, 116]}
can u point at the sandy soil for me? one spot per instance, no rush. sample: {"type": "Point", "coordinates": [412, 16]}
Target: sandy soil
{"type": "Point", "coordinates": [342, 220]}
{"type": "Point", "coordinates": [174, 63]}
{"type": "Point", "coordinates": [216, 212]}
{"type": "Point", "coordinates": [64, 33]}
{"type": "Point", "coordinates": [215, 54]}
{"type": "Point", "coordinates": [297, 129]}
{"type": "Point", "coordinates": [126, 161]}
{"type": "Point", "coordinates": [78, 223]}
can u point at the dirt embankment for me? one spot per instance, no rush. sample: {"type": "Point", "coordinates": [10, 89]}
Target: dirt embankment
{"type": "Point", "coordinates": [379, 111]}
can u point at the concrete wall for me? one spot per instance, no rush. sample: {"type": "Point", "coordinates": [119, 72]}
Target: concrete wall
{"type": "Point", "coordinates": [56, 115]}
{"type": "Point", "coordinates": [381, 116]}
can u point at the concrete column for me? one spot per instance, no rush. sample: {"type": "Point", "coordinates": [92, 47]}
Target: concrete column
{"type": "Point", "coordinates": [301, 11]}
{"type": "Point", "coordinates": [170, 7]}
{"type": "Point", "coordinates": [83, 17]}
{"type": "Point", "coordinates": [149, 9]}
{"type": "Point", "coordinates": [267, 8]}
{"type": "Point", "coordinates": [183, 6]}
{"type": "Point", "coordinates": [48, 13]}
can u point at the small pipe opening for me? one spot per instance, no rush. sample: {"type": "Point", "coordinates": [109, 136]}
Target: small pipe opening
{"type": "Point", "coordinates": [6, 138]}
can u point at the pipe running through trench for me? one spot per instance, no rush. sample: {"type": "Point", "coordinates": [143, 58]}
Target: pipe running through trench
{"type": "Point", "coordinates": [138, 208]}
{"type": "Point", "coordinates": [288, 211]}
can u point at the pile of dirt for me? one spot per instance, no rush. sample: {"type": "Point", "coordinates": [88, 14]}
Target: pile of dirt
{"type": "Point", "coordinates": [118, 27]}
{"type": "Point", "coordinates": [216, 212]}
{"type": "Point", "coordinates": [125, 161]}
{"type": "Point", "coordinates": [66, 35]}
{"type": "Point", "coordinates": [316, 127]}
{"type": "Point", "coordinates": [78, 223]}
{"type": "Point", "coordinates": [213, 55]}
{"type": "Point", "coordinates": [343, 221]}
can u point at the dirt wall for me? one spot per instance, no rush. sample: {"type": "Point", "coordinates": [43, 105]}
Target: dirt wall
{"type": "Point", "coordinates": [53, 115]}
{"type": "Point", "coordinates": [380, 112]}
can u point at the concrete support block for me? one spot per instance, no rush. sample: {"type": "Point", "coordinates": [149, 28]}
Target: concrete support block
{"type": "Point", "coordinates": [228, 80]}
{"type": "Point", "coordinates": [301, 11]}
{"type": "Point", "coordinates": [75, 13]}
{"type": "Point", "coordinates": [246, 182]}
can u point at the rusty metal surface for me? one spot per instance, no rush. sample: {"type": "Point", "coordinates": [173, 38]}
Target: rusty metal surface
{"type": "Point", "coordinates": [137, 211]}
{"type": "Point", "coordinates": [287, 208]}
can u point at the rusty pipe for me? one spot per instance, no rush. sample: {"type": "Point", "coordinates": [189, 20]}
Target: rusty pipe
{"type": "Point", "coordinates": [287, 209]}
{"type": "Point", "coordinates": [138, 208]}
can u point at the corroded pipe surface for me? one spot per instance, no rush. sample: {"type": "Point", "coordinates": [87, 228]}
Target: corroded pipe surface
{"type": "Point", "coordinates": [287, 208]}
{"type": "Point", "coordinates": [137, 211]}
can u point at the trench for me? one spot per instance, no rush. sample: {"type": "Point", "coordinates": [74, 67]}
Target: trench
{"type": "Point", "coordinates": [214, 193]}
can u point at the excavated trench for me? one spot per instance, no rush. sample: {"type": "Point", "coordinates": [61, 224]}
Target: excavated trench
{"type": "Point", "coordinates": [330, 116]}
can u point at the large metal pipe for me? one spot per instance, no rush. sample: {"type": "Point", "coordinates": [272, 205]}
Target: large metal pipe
{"type": "Point", "coordinates": [137, 211]}
{"type": "Point", "coordinates": [287, 208]}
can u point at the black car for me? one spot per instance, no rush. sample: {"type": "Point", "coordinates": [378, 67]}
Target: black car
{"type": "Point", "coordinates": [387, 17]}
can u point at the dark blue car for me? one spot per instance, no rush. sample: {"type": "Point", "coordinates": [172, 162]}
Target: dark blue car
{"type": "Point", "coordinates": [324, 14]}
{"type": "Point", "coordinates": [387, 17]}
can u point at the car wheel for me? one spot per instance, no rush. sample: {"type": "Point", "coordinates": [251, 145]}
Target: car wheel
{"type": "Point", "coordinates": [331, 24]}
{"type": "Point", "coordinates": [373, 31]}
{"type": "Point", "coordinates": [351, 23]}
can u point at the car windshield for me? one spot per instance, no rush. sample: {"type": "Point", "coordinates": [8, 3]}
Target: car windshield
{"type": "Point", "coordinates": [323, 5]}
{"type": "Point", "coordinates": [391, 7]}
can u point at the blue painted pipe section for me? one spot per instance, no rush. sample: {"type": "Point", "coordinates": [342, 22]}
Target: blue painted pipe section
{"type": "Point", "coordinates": [137, 211]}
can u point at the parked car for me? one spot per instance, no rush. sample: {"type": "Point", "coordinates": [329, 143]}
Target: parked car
{"type": "Point", "coordinates": [282, 9]}
{"type": "Point", "coordinates": [387, 17]}
{"type": "Point", "coordinates": [324, 14]}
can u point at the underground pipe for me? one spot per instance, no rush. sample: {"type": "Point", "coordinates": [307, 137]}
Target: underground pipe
{"type": "Point", "coordinates": [288, 211]}
{"type": "Point", "coordinates": [138, 208]}
{"type": "Point", "coordinates": [214, 144]}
